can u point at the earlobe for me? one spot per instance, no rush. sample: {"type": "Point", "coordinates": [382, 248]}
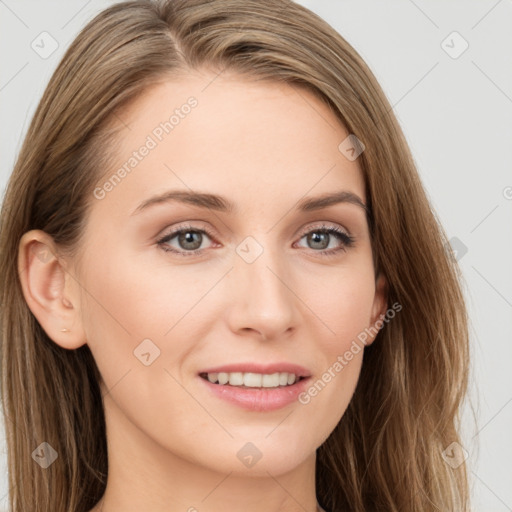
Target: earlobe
{"type": "Point", "coordinates": [44, 283]}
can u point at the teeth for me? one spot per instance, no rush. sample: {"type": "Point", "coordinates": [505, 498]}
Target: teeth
{"type": "Point", "coordinates": [236, 379]}
{"type": "Point", "coordinates": [270, 381]}
{"type": "Point", "coordinates": [253, 380]}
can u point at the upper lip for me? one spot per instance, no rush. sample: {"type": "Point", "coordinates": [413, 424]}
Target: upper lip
{"type": "Point", "coordinates": [298, 370]}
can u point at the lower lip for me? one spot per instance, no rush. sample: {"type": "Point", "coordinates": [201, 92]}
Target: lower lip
{"type": "Point", "coordinates": [259, 399]}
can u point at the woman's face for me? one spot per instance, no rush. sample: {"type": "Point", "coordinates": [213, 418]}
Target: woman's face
{"type": "Point", "coordinates": [245, 289]}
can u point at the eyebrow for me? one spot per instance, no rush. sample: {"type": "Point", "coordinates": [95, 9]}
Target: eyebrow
{"type": "Point", "coordinates": [221, 204]}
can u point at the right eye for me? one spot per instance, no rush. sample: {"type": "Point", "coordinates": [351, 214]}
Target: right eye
{"type": "Point", "coordinates": [188, 238]}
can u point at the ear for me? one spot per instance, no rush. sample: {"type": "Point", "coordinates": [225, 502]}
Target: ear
{"type": "Point", "coordinates": [379, 307]}
{"type": "Point", "coordinates": [50, 291]}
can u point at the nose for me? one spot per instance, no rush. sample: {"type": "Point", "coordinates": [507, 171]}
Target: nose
{"type": "Point", "coordinates": [261, 297]}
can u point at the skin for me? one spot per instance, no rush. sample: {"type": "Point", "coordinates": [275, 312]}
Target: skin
{"type": "Point", "coordinates": [172, 445]}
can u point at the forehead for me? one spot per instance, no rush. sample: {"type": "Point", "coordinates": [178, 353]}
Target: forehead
{"type": "Point", "coordinates": [260, 142]}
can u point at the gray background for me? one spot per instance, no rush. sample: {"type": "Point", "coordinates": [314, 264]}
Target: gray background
{"type": "Point", "coordinates": [456, 112]}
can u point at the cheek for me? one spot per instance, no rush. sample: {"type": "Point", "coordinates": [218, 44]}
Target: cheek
{"type": "Point", "coordinates": [129, 293]}
{"type": "Point", "coordinates": [344, 305]}
{"type": "Point", "coordinates": [129, 301]}
{"type": "Point", "coordinates": [343, 301]}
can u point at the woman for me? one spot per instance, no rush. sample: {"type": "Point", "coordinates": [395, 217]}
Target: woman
{"type": "Point", "coordinates": [224, 287]}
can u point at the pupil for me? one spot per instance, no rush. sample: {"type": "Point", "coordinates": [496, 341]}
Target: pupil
{"type": "Point", "coordinates": [318, 237]}
{"type": "Point", "coordinates": [187, 238]}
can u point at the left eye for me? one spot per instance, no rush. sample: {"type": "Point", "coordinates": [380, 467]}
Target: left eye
{"type": "Point", "coordinates": [323, 236]}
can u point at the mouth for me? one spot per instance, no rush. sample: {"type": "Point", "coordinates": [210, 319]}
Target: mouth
{"type": "Point", "coordinates": [257, 388]}
{"type": "Point", "coordinates": [251, 380]}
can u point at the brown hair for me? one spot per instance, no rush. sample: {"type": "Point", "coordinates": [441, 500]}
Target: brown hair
{"type": "Point", "coordinates": [386, 452]}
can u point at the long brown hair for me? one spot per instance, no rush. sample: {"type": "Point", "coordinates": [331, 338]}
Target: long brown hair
{"type": "Point", "coordinates": [386, 452]}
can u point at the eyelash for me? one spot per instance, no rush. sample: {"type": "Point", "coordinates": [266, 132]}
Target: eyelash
{"type": "Point", "coordinates": [346, 239]}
